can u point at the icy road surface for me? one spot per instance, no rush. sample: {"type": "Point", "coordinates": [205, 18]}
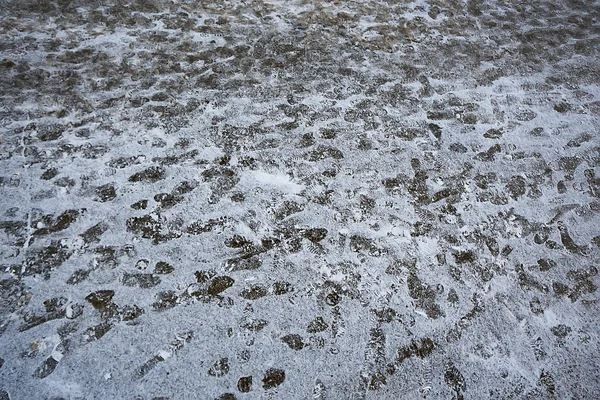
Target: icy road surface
{"type": "Point", "coordinates": [299, 199]}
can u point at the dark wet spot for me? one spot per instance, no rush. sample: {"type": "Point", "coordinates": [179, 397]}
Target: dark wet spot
{"type": "Point", "coordinates": [49, 133]}
{"type": "Point", "coordinates": [560, 288]}
{"type": "Point", "coordinates": [147, 367]}
{"type": "Point", "coordinates": [105, 193]}
{"type": "Point", "coordinates": [131, 312]}
{"type": "Point", "coordinates": [244, 262]}
{"type": "Point", "coordinates": [160, 96]}
{"type": "Point", "coordinates": [333, 299]}
{"type": "Point", "coordinates": [541, 237]}
{"type": "Point", "coordinates": [167, 200]}
{"type": "Point", "coordinates": [143, 281]}
{"type": "Point", "coordinates": [493, 134]}
{"type": "Point", "coordinates": [328, 133]}
{"type": "Point", "coordinates": [184, 188]}
{"type": "Point", "coordinates": [489, 154]}
{"type": "Point", "coordinates": [96, 332]}
{"type": "Point", "coordinates": [288, 208]}
{"type": "Point", "coordinates": [527, 281]}
{"type": "Point", "coordinates": [364, 144]}
{"type": "Point", "coordinates": [569, 164]}
{"type": "Point", "coordinates": [219, 368]}
{"type": "Point", "coordinates": [78, 276]}
{"type": "Point", "coordinates": [92, 235]}
{"type": "Point", "coordinates": [198, 227]}
{"type": "Point", "coordinates": [163, 268]}
{"type": "Point", "coordinates": [140, 205]}
{"type": "Point", "coordinates": [273, 377]}
{"type": "Point", "coordinates": [269, 243]}
{"type": "Point", "coordinates": [222, 178]}
{"type": "Point", "coordinates": [237, 241]}
{"type": "Point", "coordinates": [580, 140]}
{"type": "Point", "coordinates": [536, 306]}
{"type": "Point", "coordinates": [238, 197]}
{"type": "Point", "coordinates": [442, 194]}
{"type": "Point", "coordinates": [469, 118]}
{"type": "Point", "coordinates": [463, 257]}
{"type": "Point", "coordinates": [46, 368]}
{"type": "Point", "coordinates": [123, 162]}
{"type": "Point", "coordinates": [165, 300]}
{"type": "Point", "coordinates": [457, 148]}
{"type": "Point", "coordinates": [317, 325]}
{"type": "Point", "coordinates": [105, 257]}
{"type": "Point", "coordinates": [563, 107]}
{"type": "Point", "coordinates": [377, 381]}
{"type": "Point", "coordinates": [454, 379]}
{"type": "Point", "coordinates": [244, 384]}
{"type": "Point", "coordinates": [226, 396]}
{"type": "Point", "coordinates": [54, 304]}
{"type": "Point", "coordinates": [525, 115]}
{"type": "Point", "coordinates": [492, 245]}
{"type": "Point", "coordinates": [568, 241]}
{"type": "Point", "coordinates": [254, 292]}
{"type": "Point", "coordinates": [386, 314]}
{"type": "Point", "coordinates": [49, 174]}
{"type": "Point", "coordinates": [293, 341]}
{"type": "Point", "coordinates": [363, 244]}
{"type": "Point", "coordinates": [204, 276]}
{"type": "Point", "coordinates": [440, 114]}
{"type": "Point", "coordinates": [536, 131]}
{"type": "Point", "coordinates": [149, 175]}
{"type": "Point", "coordinates": [506, 250]}
{"type": "Point", "coordinates": [100, 298]}
{"type": "Point", "coordinates": [60, 223]}
{"type": "Point", "coordinates": [452, 296]}
{"type": "Point", "coordinates": [150, 227]}
{"type": "Point", "coordinates": [307, 140]}
{"type": "Point", "coordinates": [436, 130]}
{"type": "Point", "coordinates": [391, 183]}
{"type": "Point", "coordinates": [253, 325]}
{"type": "Point", "coordinates": [322, 152]}
{"type": "Point", "coordinates": [545, 264]}
{"type": "Point", "coordinates": [516, 187]}
{"type": "Point", "coordinates": [248, 162]}
{"type": "Point", "coordinates": [109, 312]}
{"type": "Point", "coordinates": [219, 284]}
{"type": "Point", "coordinates": [482, 181]}
{"type": "Point", "coordinates": [421, 228]}
{"type": "Point", "coordinates": [547, 381]}
{"type": "Point", "coordinates": [280, 288]}
{"type": "Point", "coordinates": [424, 295]}
{"type": "Point", "coordinates": [561, 330]}
{"type": "Point", "coordinates": [31, 320]}
{"type": "Point", "coordinates": [315, 235]}
{"type": "Point", "coordinates": [421, 348]}
{"type": "Point", "coordinates": [44, 260]}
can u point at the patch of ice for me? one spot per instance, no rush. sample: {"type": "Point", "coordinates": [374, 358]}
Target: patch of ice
{"type": "Point", "coordinates": [278, 181]}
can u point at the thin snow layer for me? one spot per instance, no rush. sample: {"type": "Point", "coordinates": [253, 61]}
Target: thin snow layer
{"type": "Point", "coordinates": [299, 199]}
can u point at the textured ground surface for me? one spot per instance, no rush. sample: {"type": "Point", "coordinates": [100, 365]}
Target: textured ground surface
{"type": "Point", "coordinates": [299, 199]}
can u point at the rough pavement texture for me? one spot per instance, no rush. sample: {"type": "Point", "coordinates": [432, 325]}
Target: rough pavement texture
{"type": "Point", "coordinates": [299, 199]}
